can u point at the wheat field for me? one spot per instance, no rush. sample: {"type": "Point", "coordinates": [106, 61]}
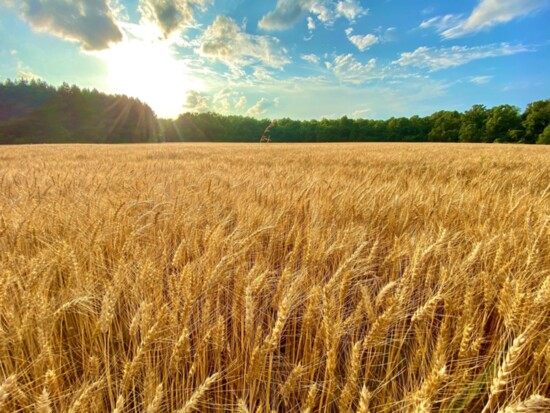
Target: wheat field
{"type": "Point", "coordinates": [275, 278]}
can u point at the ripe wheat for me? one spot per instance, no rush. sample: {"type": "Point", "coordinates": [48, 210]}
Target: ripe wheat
{"type": "Point", "coordinates": [275, 278]}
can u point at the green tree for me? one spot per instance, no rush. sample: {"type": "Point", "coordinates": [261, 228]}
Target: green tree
{"type": "Point", "coordinates": [420, 128]}
{"type": "Point", "coordinates": [345, 125]}
{"type": "Point", "coordinates": [33, 112]}
{"type": "Point", "coordinates": [473, 124]}
{"type": "Point", "coordinates": [535, 119]}
{"type": "Point", "coordinates": [400, 129]}
{"type": "Point", "coordinates": [544, 137]}
{"type": "Point", "coordinates": [446, 127]}
{"type": "Point", "coordinates": [503, 123]}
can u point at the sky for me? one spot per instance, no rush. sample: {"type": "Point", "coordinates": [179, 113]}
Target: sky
{"type": "Point", "coordinates": [303, 59]}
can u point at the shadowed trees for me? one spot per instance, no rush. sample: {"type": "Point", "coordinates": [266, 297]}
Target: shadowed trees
{"type": "Point", "coordinates": [34, 112]}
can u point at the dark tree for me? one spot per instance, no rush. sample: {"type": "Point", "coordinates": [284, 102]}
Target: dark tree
{"type": "Point", "coordinates": [473, 127]}
{"type": "Point", "coordinates": [34, 112]}
{"type": "Point", "coordinates": [446, 127]}
{"type": "Point", "coordinates": [503, 124]}
{"type": "Point", "coordinates": [536, 119]}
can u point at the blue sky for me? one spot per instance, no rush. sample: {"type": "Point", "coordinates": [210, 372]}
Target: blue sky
{"type": "Point", "coordinates": [286, 58]}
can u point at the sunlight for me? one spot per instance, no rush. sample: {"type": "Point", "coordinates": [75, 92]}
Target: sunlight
{"type": "Point", "coordinates": [147, 68]}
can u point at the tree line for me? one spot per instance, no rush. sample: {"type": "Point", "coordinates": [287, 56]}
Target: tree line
{"type": "Point", "coordinates": [35, 112]}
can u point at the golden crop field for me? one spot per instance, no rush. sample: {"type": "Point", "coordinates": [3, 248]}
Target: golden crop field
{"type": "Point", "coordinates": [287, 278]}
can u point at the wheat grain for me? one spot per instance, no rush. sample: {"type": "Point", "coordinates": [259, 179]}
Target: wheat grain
{"type": "Point", "coordinates": [192, 403]}
{"type": "Point", "coordinates": [346, 277]}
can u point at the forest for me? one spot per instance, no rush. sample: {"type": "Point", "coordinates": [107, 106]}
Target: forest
{"type": "Point", "coordinates": [36, 112]}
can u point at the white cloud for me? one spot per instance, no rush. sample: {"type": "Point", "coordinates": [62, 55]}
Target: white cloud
{"type": "Point", "coordinates": [171, 15]}
{"type": "Point", "coordinates": [308, 97]}
{"type": "Point", "coordinates": [26, 73]}
{"type": "Point", "coordinates": [225, 41]}
{"type": "Point", "coordinates": [350, 9]}
{"type": "Point", "coordinates": [435, 59]}
{"type": "Point", "coordinates": [89, 22]}
{"type": "Point", "coordinates": [348, 70]}
{"type": "Point", "coordinates": [288, 12]}
{"type": "Point", "coordinates": [261, 73]}
{"type": "Point", "coordinates": [487, 13]}
{"type": "Point", "coordinates": [262, 106]}
{"type": "Point", "coordinates": [480, 80]}
{"type": "Point", "coordinates": [197, 102]}
{"type": "Point", "coordinates": [361, 42]}
{"type": "Point", "coordinates": [311, 58]}
{"type": "Point", "coordinates": [223, 94]}
{"type": "Point", "coordinates": [441, 23]}
{"type": "Point", "coordinates": [227, 100]}
{"type": "Point", "coordinates": [324, 10]}
{"type": "Point", "coordinates": [361, 113]}
{"type": "Point", "coordinates": [241, 103]}
{"type": "Point", "coordinates": [222, 101]}
{"type": "Point", "coordinates": [310, 24]}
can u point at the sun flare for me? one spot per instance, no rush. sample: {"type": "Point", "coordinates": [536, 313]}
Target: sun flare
{"type": "Point", "coordinates": [149, 71]}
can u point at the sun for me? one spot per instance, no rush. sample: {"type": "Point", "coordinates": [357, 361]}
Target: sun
{"type": "Point", "coordinates": [149, 70]}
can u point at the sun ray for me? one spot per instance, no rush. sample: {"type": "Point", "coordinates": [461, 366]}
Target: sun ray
{"type": "Point", "coordinates": [145, 66]}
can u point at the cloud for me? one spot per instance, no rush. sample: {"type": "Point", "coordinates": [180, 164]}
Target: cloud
{"type": "Point", "coordinates": [262, 106]}
{"type": "Point", "coordinates": [310, 24]}
{"type": "Point", "coordinates": [362, 42]}
{"type": "Point", "coordinates": [311, 58]}
{"type": "Point", "coordinates": [89, 22]}
{"type": "Point", "coordinates": [196, 102]}
{"type": "Point", "coordinates": [308, 97]}
{"type": "Point", "coordinates": [480, 80]}
{"type": "Point", "coordinates": [261, 73]}
{"type": "Point", "coordinates": [350, 9]}
{"type": "Point", "coordinates": [25, 73]}
{"type": "Point", "coordinates": [241, 103]}
{"type": "Point", "coordinates": [171, 15]}
{"type": "Point", "coordinates": [442, 23]}
{"type": "Point", "coordinates": [227, 100]}
{"type": "Point", "coordinates": [488, 13]}
{"type": "Point", "coordinates": [435, 59]}
{"type": "Point", "coordinates": [288, 12]}
{"type": "Point", "coordinates": [222, 101]}
{"type": "Point", "coordinates": [361, 113]}
{"type": "Point", "coordinates": [324, 10]}
{"type": "Point", "coordinates": [348, 70]}
{"type": "Point", "coordinates": [225, 41]}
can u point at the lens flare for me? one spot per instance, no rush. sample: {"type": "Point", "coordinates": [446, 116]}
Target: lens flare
{"type": "Point", "coordinates": [146, 67]}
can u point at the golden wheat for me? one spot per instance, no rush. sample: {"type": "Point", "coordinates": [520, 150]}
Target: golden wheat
{"type": "Point", "coordinates": [275, 278]}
